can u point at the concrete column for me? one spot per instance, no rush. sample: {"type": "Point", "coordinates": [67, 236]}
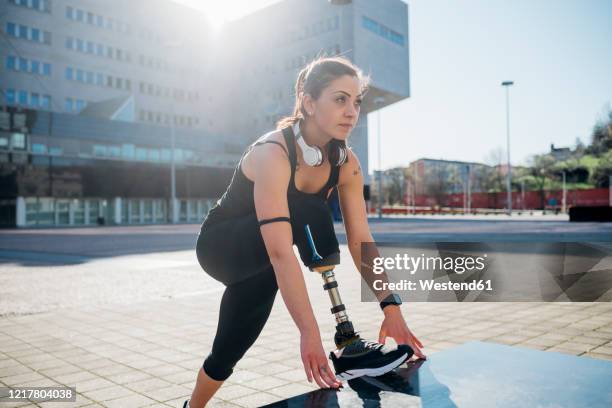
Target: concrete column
{"type": "Point", "coordinates": [189, 205]}
{"type": "Point", "coordinates": [55, 212]}
{"type": "Point", "coordinates": [71, 212]}
{"type": "Point", "coordinates": [200, 209]}
{"type": "Point", "coordinates": [141, 212]}
{"type": "Point", "coordinates": [20, 212]}
{"type": "Point", "coordinates": [117, 205]}
{"type": "Point", "coordinates": [86, 214]}
{"type": "Point", "coordinates": [174, 210]}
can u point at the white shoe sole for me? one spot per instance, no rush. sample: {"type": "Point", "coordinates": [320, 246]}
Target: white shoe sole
{"type": "Point", "coordinates": [373, 372]}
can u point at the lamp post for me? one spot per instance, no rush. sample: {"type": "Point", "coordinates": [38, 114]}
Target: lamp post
{"type": "Point", "coordinates": [523, 193]}
{"type": "Point", "coordinates": [507, 84]}
{"type": "Point", "coordinates": [563, 201]}
{"type": "Point", "coordinates": [173, 209]}
{"type": "Point", "coordinates": [378, 102]}
{"type": "Point", "coordinates": [470, 189]}
{"type": "Point", "coordinates": [173, 205]}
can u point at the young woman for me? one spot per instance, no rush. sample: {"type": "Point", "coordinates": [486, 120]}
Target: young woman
{"type": "Point", "coordinates": [247, 238]}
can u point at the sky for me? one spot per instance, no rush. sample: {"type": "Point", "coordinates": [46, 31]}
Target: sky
{"type": "Point", "coordinates": [557, 52]}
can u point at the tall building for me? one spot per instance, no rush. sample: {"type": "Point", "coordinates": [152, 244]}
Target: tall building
{"type": "Point", "coordinates": [114, 85]}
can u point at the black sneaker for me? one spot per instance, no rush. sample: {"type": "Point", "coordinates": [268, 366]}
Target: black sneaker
{"type": "Point", "coordinates": [361, 357]}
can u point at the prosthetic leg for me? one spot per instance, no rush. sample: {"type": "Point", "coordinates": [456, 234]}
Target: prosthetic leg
{"type": "Point", "coordinates": [345, 332]}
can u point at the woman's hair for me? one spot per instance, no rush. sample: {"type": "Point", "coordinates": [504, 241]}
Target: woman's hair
{"type": "Point", "coordinates": [312, 79]}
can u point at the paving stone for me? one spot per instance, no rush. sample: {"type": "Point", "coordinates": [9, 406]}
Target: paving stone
{"type": "Point", "coordinates": [607, 349]}
{"type": "Point", "coordinates": [134, 401]}
{"type": "Point", "coordinates": [105, 394]}
{"type": "Point", "coordinates": [128, 377]}
{"type": "Point", "coordinates": [265, 383]}
{"type": "Point", "coordinates": [256, 400]}
{"type": "Point", "coordinates": [168, 393]}
{"type": "Point", "coordinates": [234, 391]}
{"type": "Point", "coordinates": [93, 384]}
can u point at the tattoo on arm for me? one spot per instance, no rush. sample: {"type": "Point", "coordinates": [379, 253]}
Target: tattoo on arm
{"type": "Point", "coordinates": [356, 171]}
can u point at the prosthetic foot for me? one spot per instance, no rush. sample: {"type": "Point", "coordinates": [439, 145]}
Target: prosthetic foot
{"type": "Point", "coordinates": [354, 357]}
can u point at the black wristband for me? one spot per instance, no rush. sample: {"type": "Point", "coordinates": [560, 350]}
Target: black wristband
{"type": "Point", "coordinates": [392, 299]}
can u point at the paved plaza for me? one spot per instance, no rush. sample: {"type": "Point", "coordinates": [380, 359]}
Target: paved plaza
{"type": "Point", "coordinates": [126, 315]}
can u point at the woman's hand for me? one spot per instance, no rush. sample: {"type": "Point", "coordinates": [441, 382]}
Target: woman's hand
{"type": "Point", "coordinates": [315, 360]}
{"type": "Point", "coordinates": [395, 327]}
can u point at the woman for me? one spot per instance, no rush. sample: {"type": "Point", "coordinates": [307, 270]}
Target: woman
{"type": "Point", "coordinates": [246, 239]}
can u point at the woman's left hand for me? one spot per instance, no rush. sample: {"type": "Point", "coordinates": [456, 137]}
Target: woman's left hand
{"type": "Point", "coordinates": [394, 326]}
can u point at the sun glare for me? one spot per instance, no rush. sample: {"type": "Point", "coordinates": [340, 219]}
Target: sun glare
{"type": "Point", "coordinates": [220, 12]}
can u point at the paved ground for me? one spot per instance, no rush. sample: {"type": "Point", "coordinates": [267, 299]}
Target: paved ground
{"type": "Point", "coordinates": [126, 315]}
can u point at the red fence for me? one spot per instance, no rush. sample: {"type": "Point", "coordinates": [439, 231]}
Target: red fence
{"type": "Point", "coordinates": [533, 200]}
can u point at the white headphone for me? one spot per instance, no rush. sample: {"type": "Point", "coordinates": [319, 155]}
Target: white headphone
{"type": "Point", "coordinates": [313, 156]}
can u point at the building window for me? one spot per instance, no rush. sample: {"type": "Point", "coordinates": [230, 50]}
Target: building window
{"type": "Point", "coordinates": [11, 62]}
{"type": "Point", "coordinates": [39, 148]}
{"type": "Point", "coordinates": [38, 5]}
{"type": "Point", "coordinates": [68, 105]}
{"type": "Point", "coordinates": [22, 97]}
{"type": "Point", "coordinates": [80, 104]}
{"type": "Point", "coordinates": [18, 141]}
{"type": "Point", "coordinates": [10, 96]}
{"type": "Point", "coordinates": [46, 102]}
{"type": "Point", "coordinates": [23, 65]}
{"type": "Point", "coordinates": [23, 31]}
{"type": "Point", "coordinates": [382, 30]}
{"type": "Point", "coordinates": [11, 29]}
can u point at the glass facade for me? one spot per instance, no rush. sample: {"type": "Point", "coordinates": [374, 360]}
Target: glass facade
{"type": "Point", "coordinates": [48, 211]}
{"type": "Point", "coordinates": [382, 30]}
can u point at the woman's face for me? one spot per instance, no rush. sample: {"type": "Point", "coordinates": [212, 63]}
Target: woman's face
{"type": "Point", "coordinates": [337, 110]}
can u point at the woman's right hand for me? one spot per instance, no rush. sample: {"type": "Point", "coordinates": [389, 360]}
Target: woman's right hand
{"type": "Point", "coordinates": [315, 361]}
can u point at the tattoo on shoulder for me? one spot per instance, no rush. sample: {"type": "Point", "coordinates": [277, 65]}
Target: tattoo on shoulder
{"type": "Point", "coordinates": [356, 171]}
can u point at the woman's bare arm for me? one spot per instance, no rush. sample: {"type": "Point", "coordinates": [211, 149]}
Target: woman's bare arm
{"type": "Point", "coordinates": [272, 174]}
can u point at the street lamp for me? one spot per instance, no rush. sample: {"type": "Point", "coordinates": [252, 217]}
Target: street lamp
{"type": "Point", "coordinates": [378, 101]}
{"type": "Point", "coordinates": [173, 204]}
{"type": "Point", "coordinates": [564, 197]}
{"type": "Point", "coordinates": [507, 84]}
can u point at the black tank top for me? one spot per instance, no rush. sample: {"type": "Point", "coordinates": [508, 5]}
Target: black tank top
{"type": "Point", "coordinates": [238, 199]}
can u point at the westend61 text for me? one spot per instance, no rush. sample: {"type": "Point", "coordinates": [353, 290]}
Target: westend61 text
{"type": "Point", "coordinates": [430, 284]}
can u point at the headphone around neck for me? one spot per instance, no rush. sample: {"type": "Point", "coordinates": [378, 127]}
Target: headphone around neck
{"type": "Point", "coordinates": [313, 156]}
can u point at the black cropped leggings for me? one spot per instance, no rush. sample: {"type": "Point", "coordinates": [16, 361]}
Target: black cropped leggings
{"type": "Point", "coordinates": [245, 308]}
{"type": "Point", "coordinates": [233, 252]}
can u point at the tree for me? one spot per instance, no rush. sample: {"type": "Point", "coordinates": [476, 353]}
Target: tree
{"type": "Point", "coordinates": [492, 180]}
{"type": "Point", "coordinates": [394, 188]}
{"type": "Point", "coordinates": [601, 136]}
{"type": "Point", "coordinates": [542, 167]}
{"type": "Point", "coordinates": [602, 172]}
{"type": "Point", "coordinates": [437, 182]}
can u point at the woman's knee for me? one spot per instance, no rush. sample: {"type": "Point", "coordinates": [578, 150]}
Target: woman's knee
{"type": "Point", "coordinates": [219, 369]}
